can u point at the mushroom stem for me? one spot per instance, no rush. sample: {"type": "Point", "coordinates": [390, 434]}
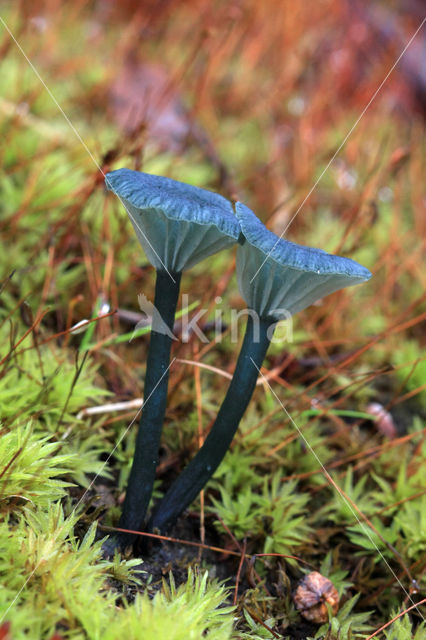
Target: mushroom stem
{"type": "Point", "coordinates": [142, 474]}
{"type": "Point", "coordinates": [201, 468]}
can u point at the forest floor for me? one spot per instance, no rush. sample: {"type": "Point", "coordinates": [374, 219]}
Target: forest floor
{"type": "Point", "coordinates": [301, 113]}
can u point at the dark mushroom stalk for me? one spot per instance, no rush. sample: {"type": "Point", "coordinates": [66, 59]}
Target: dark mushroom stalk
{"type": "Point", "coordinates": [201, 468]}
{"type": "Point", "coordinates": [277, 278]}
{"type": "Point", "coordinates": [178, 226]}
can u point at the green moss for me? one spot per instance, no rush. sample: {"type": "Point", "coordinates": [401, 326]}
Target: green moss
{"type": "Point", "coordinates": [70, 246]}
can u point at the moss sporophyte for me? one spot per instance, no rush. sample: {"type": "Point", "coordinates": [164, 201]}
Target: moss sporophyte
{"type": "Point", "coordinates": [179, 225]}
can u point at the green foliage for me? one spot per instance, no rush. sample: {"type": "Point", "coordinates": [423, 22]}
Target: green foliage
{"type": "Point", "coordinates": [24, 385]}
{"type": "Point", "coordinates": [29, 467]}
{"type": "Point", "coordinates": [194, 610]}
{"type": "Point", "coordinates": [275, 515]}
{"type": "Point", "coordinates": [411, 520]}
{"type": "Point", "coordinates": [341, 508]}
{"type": "Point", "coordinates": [405, 524]}
{"type": "Point", "coordinates": [413, 374]}
{"type": "Point", "coordinates": [363, 537]}
{"type": "Point", "coordinates": [257, 630]}
{"type": "Point", "coordinates": [58, 231]}
{"type": "Point", "coordinates": [58, 394]}
{"type": "Point", "coordinates": [298, 458]}
{"type": "Point", "coordinates": [237, 472]}
{"type": "Point", "coordinates": [190, 611]}
{"type": "Point", "coordinates": [346, 624]}
{"type": "Point", "coordinates": [402, 629]}
{"type": "Point", "coordinates": [399, 489]}
{"type": "Point", "coordinates": [51, 576]}
{"type": "Point", "coordinates": [54, 576]}
{"type": "Point", "coordinates": [330, 567]}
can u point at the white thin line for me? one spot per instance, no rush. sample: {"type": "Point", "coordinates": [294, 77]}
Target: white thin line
{"type": "Point", "coordinates": [336, 486]}
{"type": "Point", "coordinates": [124, 434]}
{"type": "Point", "coordinates": [140, 229]}
{"type": "Point", "coordinates": [78, 136]}
{"type": "Point", "coordinates": [342, 144]}
{"type": "Point", "coordinates": [88, 488]}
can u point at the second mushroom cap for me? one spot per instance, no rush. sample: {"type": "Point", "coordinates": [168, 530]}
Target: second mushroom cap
{"type": "Point", "coordinates": [278, 278]}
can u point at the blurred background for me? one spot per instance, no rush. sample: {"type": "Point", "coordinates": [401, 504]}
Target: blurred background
{"type": "Point", "coordinates": [299, 110]}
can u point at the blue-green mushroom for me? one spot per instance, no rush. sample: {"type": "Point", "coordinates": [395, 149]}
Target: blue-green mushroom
{"type": "Point", "coordinates": [178, 225]}
{"type": "Point", "coordinates": [276, 278]}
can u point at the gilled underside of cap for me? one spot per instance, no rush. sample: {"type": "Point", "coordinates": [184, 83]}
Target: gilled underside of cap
{"type": "Point", "coordinates": [175, 245]}
{"type": "Point", "coordinates": [278, 278]}
{"type": "Point", "coordinates": [279, 292]}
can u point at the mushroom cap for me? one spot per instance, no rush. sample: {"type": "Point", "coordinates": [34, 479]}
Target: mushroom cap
{"type": "Point", "coordinates": [278, 278]}
{"type": "Point", "coordinates": [177, 224]}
